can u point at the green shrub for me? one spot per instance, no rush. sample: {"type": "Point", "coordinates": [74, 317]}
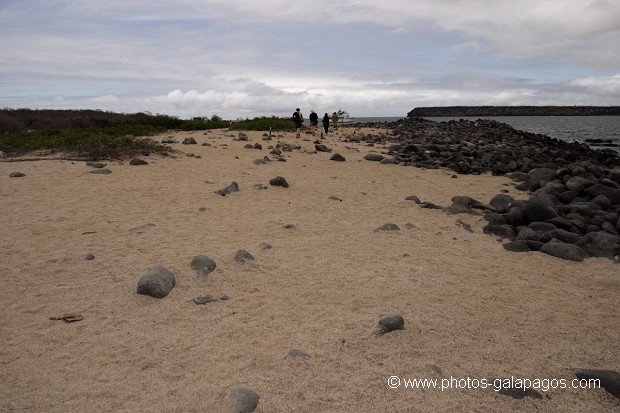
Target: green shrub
{"type": "Point", "coordinates": [116, 141]}
{"type": "Point", "coordinates": [263, 124]}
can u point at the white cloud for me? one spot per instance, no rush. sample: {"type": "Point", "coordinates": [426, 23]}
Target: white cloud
{"type": "Point", "coordinates": [106, 99]}
{"type": "Point", "coordinates": [604, 86]}
{"type": "Point", "coordinates": [238, 58]}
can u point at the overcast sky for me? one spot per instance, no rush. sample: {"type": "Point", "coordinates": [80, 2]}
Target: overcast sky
{"type": "Point", "coordinates": [242, 59]}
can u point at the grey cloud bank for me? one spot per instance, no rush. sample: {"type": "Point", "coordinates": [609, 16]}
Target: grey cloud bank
{"type": "Point", "coordinates": [198, 58]}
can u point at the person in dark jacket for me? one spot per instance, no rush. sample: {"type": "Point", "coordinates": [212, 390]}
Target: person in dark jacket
{"type": "Point", "coordinates": [326, 123]}
{"type": "Point", "coordinates": [314, 120]}
{"type": "Point", "coordinates": [298, 119]}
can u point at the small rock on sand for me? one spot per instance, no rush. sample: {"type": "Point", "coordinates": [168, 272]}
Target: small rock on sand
{"type": "Point", "coordinates": [296, 353]}
{"type": "Point", "coordinates": [374, 157]}
{"type": "Point", "coordinates": [387, 227]}
{"type": "Point", "coordinates": [242, 400]}
{"type": "Point", "coordinates": [203, 265]}
{"type": "Point", "coordinates": [242, 256]}
{"type": "Point", "coordinates": [16, 174]}
{"type": "Point", "coordinates": [279, 181]}
{"type": "Point", "coordinates": [233, 187]}
{"type": "Point", "coordinates": [101, 171]}
{"type": "Point", "coordinates": [389, 323]}
{"type": "Point", "coordinates": [157, 282]}
{"type": "Point", "coordinates": [609, 379]}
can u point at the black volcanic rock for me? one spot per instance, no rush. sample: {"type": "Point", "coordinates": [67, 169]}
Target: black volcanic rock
{"type": "Point", "coordinates": [565, 251]}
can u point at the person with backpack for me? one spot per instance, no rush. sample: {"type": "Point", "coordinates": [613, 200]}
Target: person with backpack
{"type": "Point", "coordinates": [314, 121]}
{"type": "Point", "coordinates": [298, 119]}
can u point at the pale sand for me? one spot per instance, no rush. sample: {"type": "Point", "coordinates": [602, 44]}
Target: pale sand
{"type": "Point", "coordinates": [470, 307]}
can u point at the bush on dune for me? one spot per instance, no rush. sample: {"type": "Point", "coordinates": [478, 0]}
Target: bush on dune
{"type": "Point", "coordinates": [106, 135]}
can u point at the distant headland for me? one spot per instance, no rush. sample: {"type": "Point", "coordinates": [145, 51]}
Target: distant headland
{"type": "Point", "coordinates": [466, 111]}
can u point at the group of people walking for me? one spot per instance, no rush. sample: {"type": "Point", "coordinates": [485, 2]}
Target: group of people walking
{"type": "Point", "coordinates": [298, 119]}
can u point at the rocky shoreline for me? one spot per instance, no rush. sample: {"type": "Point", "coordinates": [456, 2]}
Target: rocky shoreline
{"type": "Point", "coordinates": [573, 211]}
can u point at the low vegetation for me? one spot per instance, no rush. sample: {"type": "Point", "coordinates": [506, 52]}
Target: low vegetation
{"type": "Point", "coordinates": [106, 135]}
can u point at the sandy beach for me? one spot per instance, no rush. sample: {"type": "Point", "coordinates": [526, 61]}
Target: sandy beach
{"type": "Point", "coordinates": [471, 309]}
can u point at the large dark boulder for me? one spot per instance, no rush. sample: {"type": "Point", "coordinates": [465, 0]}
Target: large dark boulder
{"type": "Point", "coordinates": [578, 184]}
{"type": "Point", "coordinates": [516, 217]}
{"type": "Point", "coordinates": [560, 234]}
{"type": "Point", "coordinates": [501, 202]}
{"type": "Point", "coordinates": [603, 202]}
{"type": "Point", "coordinates": [540, 208]}
{"type": "Point", "coordinates": [551, 188]}
{"type": "Point", "coordinates": [542, 226]}
{"type": "Point", "coordinates": [565, 251]}
{"type": "Point", "coordinates": [612, 194]}
{"type": "Point", "coordinates": [539, 177]}
{"type": "Point", "coordinates": [562, 223]}
{"type": "Point", "coordinates": [600, 244]}
{"type": "Point", "coordinates": [526, 233]}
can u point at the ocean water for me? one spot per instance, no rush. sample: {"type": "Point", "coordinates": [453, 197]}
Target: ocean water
{"type": "Point", "coordinates": [566, 128]}
{"type": "Point", "coordinates": [377, 119]}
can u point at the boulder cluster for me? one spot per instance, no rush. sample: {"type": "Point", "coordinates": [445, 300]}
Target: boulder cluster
{"type": "Point", "coordinates": [475, 147]}
{"type": "Point", "coordinates": [573, 213]}
{"type": "Point", "coordinates": [574, 207]}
